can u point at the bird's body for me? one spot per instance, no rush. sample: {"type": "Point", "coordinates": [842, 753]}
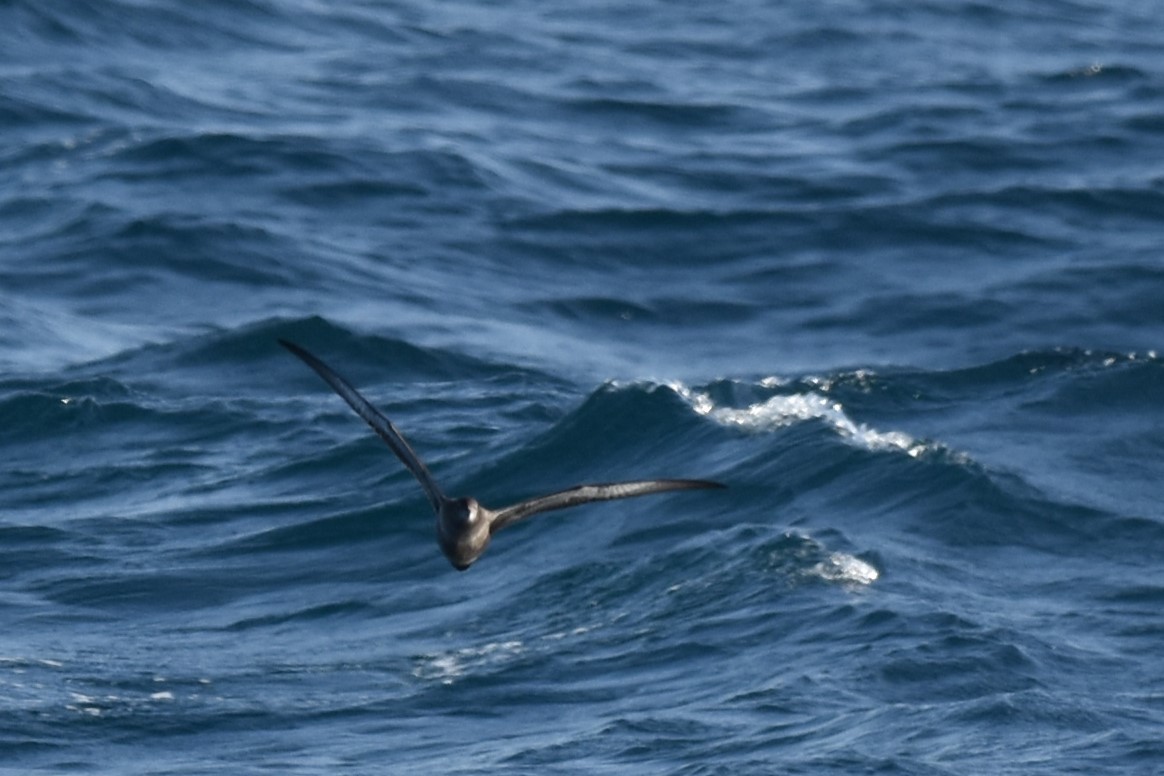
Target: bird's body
{"type": "Point", "coordinates": [464, 526]}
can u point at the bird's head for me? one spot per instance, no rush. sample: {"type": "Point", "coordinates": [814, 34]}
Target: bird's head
{"type": "Point", "coordinates": [464, 512]}
{"type": "Point", "coordinates": [462, 531]}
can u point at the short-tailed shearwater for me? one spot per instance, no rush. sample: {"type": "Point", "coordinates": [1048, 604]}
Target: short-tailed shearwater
{"type": "Point", "coordinates": [464, 526]}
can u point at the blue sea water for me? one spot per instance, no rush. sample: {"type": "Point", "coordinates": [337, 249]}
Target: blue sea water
{"type": "Point", "coordinates": [893, 272]}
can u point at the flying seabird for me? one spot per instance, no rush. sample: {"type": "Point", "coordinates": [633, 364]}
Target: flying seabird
{"type": "Point", "coordinates": [464, 526]}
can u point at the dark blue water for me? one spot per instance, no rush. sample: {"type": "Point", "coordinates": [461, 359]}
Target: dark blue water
{"type": "Point", "coordinates": [892, 272]}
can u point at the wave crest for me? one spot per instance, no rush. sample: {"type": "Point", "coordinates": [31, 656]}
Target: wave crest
{"type": "Point", "coordinates": [786, 409]}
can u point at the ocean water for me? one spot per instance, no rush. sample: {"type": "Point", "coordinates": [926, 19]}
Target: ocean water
{"type": "Point", "coordinates": [892, 272]}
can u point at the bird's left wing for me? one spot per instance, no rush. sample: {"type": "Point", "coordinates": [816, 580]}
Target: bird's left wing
{"type": "Point", "coordinates": [583, 494]}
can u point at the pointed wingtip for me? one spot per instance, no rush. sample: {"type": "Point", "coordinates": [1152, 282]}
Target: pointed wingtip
{"type": "Point", "coordinates": [704, 484]}
{"type": "Point", "coordinates": [305, 355]}
{"type": "Point", "coordinates": [289, 345]}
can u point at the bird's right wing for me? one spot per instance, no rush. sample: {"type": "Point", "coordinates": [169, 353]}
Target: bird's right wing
{"type": "Point", "coordinates": [584, 494]}
{"type": "Point", "coordinates": [374, 418]}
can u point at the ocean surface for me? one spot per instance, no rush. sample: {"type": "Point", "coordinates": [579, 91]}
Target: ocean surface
{"type": "Point", "coordinates": [892, 272]}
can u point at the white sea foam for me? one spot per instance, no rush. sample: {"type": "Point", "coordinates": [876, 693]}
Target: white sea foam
{"type": "Point", "coordinates": [84, 704]}
{"type": "Point", "coordinates": [449, 666]}
{"type": "Point", "coordinates": [847, 569]}
{"type": "Point", "coordinates": [21, 663]}
{"type": "Point", "coordinates": [787, 409]}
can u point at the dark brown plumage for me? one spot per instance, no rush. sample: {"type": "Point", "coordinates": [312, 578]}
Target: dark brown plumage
{"type": "Point", "coordinates": [464, 526]}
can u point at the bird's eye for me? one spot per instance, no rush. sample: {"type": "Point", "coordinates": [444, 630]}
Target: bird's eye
{"type": "Point", "coordinates": [466, 510]}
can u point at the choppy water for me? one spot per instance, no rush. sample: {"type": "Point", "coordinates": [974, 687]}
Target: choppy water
{"type": "Point", "coordinates": [891, 272]}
